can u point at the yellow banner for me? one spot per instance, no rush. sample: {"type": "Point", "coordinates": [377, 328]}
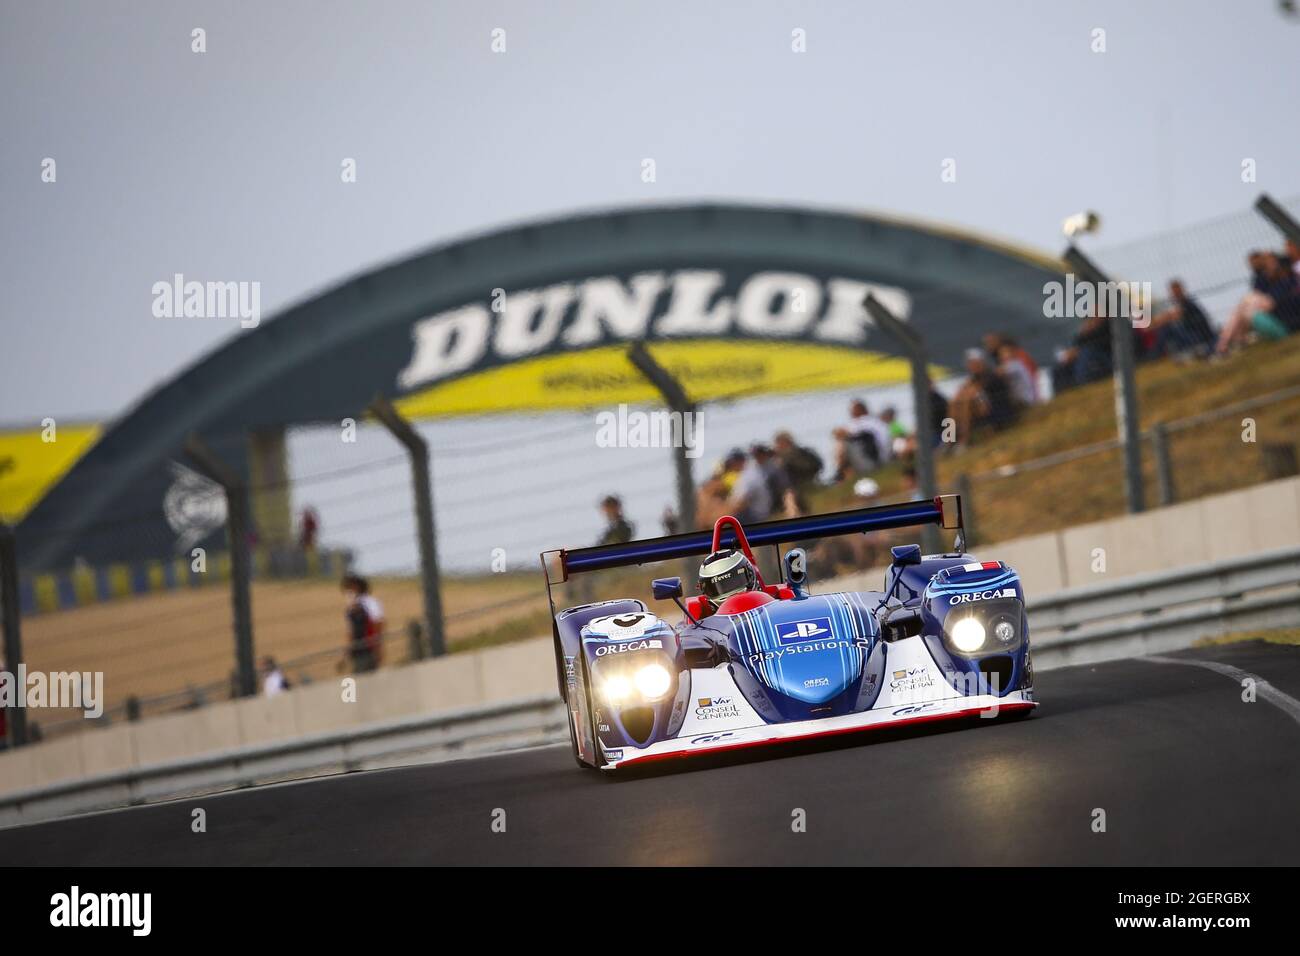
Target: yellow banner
{"type": "Point", "coordinates": [30, 464]}
{"type": "Point", "coordinates": [709, 371]}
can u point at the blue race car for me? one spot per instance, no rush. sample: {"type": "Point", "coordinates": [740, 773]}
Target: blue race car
{"type": "Point", "coordinates": [754, 664]}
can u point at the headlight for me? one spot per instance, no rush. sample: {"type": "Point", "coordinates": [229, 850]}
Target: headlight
{"type": "Point", "coordinates": [994, 626]}
{"type": "Point", "coordinates": [1005, 632]}
{"type": "Point", "coordinates": [616, 688]}
{"type": "Point", "coordinates": [653, 681]}
{"type": "Point", "coordinates": [967, 635]}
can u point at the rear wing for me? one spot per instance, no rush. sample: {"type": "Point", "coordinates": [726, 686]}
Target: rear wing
{"type": "Point", "coordinates": [943, 510]}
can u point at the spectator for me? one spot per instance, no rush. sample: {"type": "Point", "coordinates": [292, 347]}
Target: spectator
{"type": "Point", "coordinates": [1021, 354]}
{"type": "Point", "coordinates": [983, 400]}
{"type": "Point", "coordinates": [840, 554]}
{"type": "Point", "coordinates": [779, 487]}
{"type": "Point", "coordinates": [274, 680]}
{"type": "Point", "coordinates": [862, 445]}
{"type": "Point", "coordinates": [1183, 327]}
{"type": "Point", "coordinates": [750, 499]}
{"type": "Point", "coordinates": [910, 484]}
{"type": "Point", "coordinates": [990, 342]}
{"type": "Point", "coordinates": [801, 464]}
{"type": "Point", "coordinates": [1271, 309]}
{"type": "Point", "coordinates": [617, 529]}
{"type": "Point", "coordinates": [711, 499]}
{"type": "Point", "coordinates": [375, 613]}
{"type": "Point", "coordinates": [1016, 374]}
{"type": "Point", "coordinates": [308, 526]}
{"type": "Point", "coordinates": [363, 646]}
{"type": "Point", "coordinates": [938, 414]}
{"type": "Point", "coordinates": [1088, 359]}
{"type": "Point", "coordinates": [900, 443]}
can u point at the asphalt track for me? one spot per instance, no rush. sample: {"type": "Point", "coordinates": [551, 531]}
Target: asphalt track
{"type": "Point", "coordinates": [1186, 772]}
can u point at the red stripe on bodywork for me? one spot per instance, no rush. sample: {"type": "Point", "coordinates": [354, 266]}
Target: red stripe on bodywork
{"type": "Point", "coordinates": [906, 721]}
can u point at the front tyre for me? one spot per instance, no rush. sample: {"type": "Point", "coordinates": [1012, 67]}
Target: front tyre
{"type": "Point", "coordinates": [582, 719]}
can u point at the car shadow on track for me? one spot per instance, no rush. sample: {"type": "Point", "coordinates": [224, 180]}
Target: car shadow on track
{"type": "Point", "coordinates": [797, 748]}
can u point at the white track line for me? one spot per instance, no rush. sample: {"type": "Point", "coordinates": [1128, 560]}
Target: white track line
{"type": "Point", "coordinates": [1284, 702]}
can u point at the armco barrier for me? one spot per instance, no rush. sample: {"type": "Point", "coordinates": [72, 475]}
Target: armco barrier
{"type": "Point", "coordinates": [1152, 613]}
{"type": "Point", "coordinates": [1142, 615]}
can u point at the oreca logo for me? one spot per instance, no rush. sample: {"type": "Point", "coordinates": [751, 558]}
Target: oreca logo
{"type": "Point", "coordinates": [981, 596]}
{"type": "Point", "coordinates": [604, 649]}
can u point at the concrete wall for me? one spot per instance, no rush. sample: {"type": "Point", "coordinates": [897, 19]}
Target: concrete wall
{"type": "Point", "coordinates": [511, 672]}
{"type": "Point", "coordinates": [1210, 529]}
{"type": "Point", "coordinates": [1216, 528]}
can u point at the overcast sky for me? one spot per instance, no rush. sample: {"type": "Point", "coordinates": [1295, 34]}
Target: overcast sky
{"type": "Point", "coordinates": [225, 164]}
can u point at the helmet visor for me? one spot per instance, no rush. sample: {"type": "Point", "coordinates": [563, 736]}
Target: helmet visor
{"type": "Point", "coordinates": [726, 583]}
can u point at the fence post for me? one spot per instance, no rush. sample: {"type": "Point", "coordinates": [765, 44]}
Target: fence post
{"type": "Point", "coordinates": [241, 569]}
{"type": "Point", "coordinates": [914, 346]}
{"type": "Point", "coordinates": [1164, 470]}
{"type": "Point", "coordinates": [11, 618]}
{"type": "Point", "coordinates": [676, 399]}
{"type": "Point", "coordinates": [1279, 217]}
{"type": "Point", "coordinates": [422, 483]}
{"type": "Point", "coordinates": [1126, 399]}
{"type": "Point", "coordinates": [965, 490]}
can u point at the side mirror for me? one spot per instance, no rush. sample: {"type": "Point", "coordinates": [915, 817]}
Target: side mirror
{"type": "Point", "coordinates": [906, 554]}
{"type": "Point", "coordinates": [796, 567]}
{"type": "Point", "coordinates": [665, 589]}
{"type": "Point", "coordinates": [796, 572]}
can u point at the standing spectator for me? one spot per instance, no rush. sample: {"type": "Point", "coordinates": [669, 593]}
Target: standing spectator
{"type": "Point", "coordinates": [308, 526]}
{"type": "Point", "coordinates": [862, 445]}
{"type": "Point", "coordinates": [274, 680]}
{"type": "Point", "coordinates": [1183, 327]}
{"type": "Point", "coordinates": [750, 498]}
{"type": "Point", "coordinates": [617, 529]}
{"type": "Point", "coordinates": [779, 487]}
{"type": "Point", "coordinates": [376, 623]}
{"type": "Point", "coordinates": [363, 646]}
{"type": "Point", "coordinates": [801, 464]}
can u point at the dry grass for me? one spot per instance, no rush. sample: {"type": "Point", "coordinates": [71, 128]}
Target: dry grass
{"type": "Point", "coordinates": [1206, 459]}
{"type": "Point", "coordinates": [1285, 635]}
{"type": "Point", "coordinates": [161, 643]}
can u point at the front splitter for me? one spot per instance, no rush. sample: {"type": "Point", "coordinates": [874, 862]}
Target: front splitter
{"type": "Point", "coordinates": [981, 706]}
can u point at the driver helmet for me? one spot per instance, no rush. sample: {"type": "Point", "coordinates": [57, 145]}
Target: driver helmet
{"type": "Point", "coordinates": [725, 573]}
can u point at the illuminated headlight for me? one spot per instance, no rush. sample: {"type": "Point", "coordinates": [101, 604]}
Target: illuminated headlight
{"type": "Point", "coordinates": [968, 635]}
{"type": "Point", "coordinates": [616, 688]}
{"type": "Point", "coordinates": [653, 681]}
